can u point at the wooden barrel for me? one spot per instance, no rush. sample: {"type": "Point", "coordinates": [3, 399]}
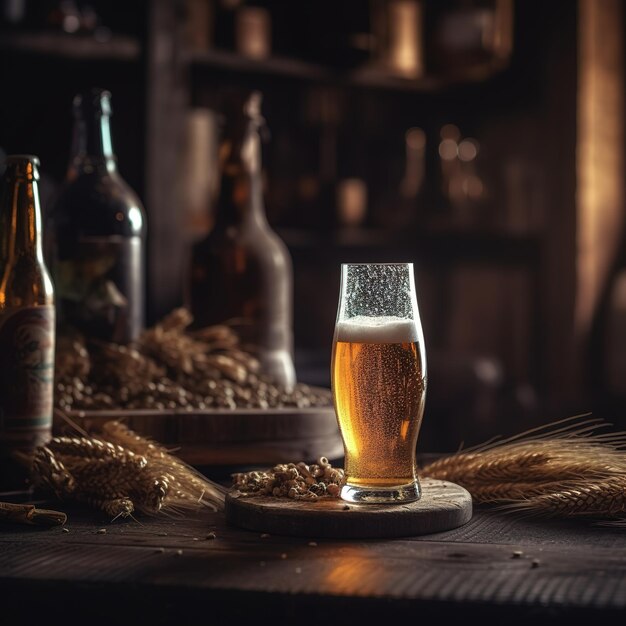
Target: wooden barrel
{"type": "Point", "coordinates": [241, 437]}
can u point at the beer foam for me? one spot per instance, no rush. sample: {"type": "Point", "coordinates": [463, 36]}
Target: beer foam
{"type": "Point", "coordinates": [382, 329]}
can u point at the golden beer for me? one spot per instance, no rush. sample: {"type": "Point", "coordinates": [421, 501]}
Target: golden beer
{"type": "Point", "coordinates": [379, 384]}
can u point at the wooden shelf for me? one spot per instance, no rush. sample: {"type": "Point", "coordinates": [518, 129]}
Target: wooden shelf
{"type": "Point", "coordinates": [226, 61]}
{"type": "Point", "coordinates": [118, 47]}
{"type": "Point", "coordinates": [369, 77]}
{"type": "Point", "coordinates": [126, 48]}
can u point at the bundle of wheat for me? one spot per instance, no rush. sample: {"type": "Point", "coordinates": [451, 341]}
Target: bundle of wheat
{"type": "Point", "coordinates": [121, 473]}
{"type": "Point", "coordinates": [565, 469]}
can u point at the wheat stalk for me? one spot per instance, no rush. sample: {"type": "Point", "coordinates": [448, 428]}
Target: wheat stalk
{"type": "Point", "coordinates": [489, 493]}
{"type": "Point", "coordinates": [566, 469]}
{"type": "Point", "coordinates": [90, 448]}
{"type": "Point", "coordinates": [122, 472]}
{"type": "Point", "coordinates": [185, 477]}
{"type": "Point", "coordinates": [604, 498]}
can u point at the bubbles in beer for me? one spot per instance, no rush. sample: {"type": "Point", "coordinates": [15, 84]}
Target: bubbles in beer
{"type": "Point", "coordinates": [378, 376]}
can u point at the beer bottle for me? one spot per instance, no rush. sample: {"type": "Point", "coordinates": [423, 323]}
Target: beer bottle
{"type": "Point", "coordinates": [99, 232]}
{"type": "Point", "coordinates": [27, 319]}
{"type": "Point", "coordinates": [242, 269]}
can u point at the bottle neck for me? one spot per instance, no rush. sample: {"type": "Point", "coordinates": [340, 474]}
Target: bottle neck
{"type": "Point", "coordinates": [91, 145]}
{"type": "Point", "coordinates": [241, 187]}
{"type": "Point", "coordinates": [20, 219]}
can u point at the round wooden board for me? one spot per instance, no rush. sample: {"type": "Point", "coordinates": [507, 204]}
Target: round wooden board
{"type": "Point", "coordinates": [443, 506]}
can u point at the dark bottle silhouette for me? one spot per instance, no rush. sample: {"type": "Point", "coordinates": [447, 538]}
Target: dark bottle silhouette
{"type": "Point", "coordinates": [99, 233]}
{"type": "Point", "coordinates": [606, 356]}
{"type": "Point", "coordinates": [242, 270]}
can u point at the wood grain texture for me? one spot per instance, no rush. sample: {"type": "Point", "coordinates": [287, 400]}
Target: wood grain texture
{"type": "Point", "coordinates": [443, 506]}
{"type": "Point", "coordinates": [248, 437]}
{"type": "Point", "coordinates": [168, 571]}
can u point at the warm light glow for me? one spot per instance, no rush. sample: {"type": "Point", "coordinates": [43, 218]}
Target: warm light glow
{"type": "Point", "coordinates": [353, 570]}
{"type": "Point", "coordinates": [468, 150]}
{"type": "Point", "coordinates": [352, 201]}
{"type": "Point", "coordinates": [405, 38]}
{"type": "Point", "coordinates": [253, 32]}
{"type": "Point", "coordinates": [415, 139]}
{"type": "Point", "coordinates": [450, 131]}
{"type": "Point", "coordinates": [71, 23]}
{"type": "Point", "coordinates": [472, 187]}
{"type": "Point", "coordinates": [448, 150]}
{"type": "Point", "coordinates": [600, 158]}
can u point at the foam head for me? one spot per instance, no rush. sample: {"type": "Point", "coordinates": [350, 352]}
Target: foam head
{"type": "Point", "coordinates": [383, 329]}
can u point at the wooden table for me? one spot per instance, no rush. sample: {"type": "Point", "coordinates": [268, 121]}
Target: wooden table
{"type": "Point", "coordinates": [497, 569]}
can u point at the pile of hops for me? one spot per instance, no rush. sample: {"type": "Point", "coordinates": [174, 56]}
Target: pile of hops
{"type": "Point", "coordinates": [171, 368]}
{"type": "Point", "coordinates": [292, 480]}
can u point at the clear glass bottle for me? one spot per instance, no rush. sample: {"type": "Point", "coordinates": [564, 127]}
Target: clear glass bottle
{"type": "Point", "coordinates": [242, 270]}
{"type": "Point", "coordinates": [98, 262]}
{"type": "Point", "coordinates": [27, 319]}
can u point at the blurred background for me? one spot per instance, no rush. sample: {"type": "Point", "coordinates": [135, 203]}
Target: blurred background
{"type": "Point", "coordinates": [481, 139]}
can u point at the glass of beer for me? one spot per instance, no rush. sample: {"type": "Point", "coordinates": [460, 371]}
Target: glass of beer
{"type": "Point", "coordinates": [378, 379]}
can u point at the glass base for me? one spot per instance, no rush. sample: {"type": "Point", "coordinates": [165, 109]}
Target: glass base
{"type": "Point", "coordinates": [381, 495]}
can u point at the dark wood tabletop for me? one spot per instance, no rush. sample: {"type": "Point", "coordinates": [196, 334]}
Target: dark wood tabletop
{"type": "Point", "coordinates": [197, 569]}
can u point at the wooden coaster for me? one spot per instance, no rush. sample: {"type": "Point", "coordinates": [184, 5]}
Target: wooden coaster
{"type": "Point", "coordinates": [443, 506]}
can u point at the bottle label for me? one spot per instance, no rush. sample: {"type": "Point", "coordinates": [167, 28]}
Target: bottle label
{"type": "Point", "coordinates": [26, 374]}
{"type": "Point", "coordinates": [100, 287]}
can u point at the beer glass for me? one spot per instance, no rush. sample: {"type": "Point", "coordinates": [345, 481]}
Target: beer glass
{"type": "Point", "coordinates": [378, 379]}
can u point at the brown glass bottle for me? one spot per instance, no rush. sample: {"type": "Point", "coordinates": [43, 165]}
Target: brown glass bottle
{"type": "Point", "coordinates": [242, 270]}
{"type": "Point", "coordinates": [98, 264]}
{"type": "Point", "coordinates": [27, 319]}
